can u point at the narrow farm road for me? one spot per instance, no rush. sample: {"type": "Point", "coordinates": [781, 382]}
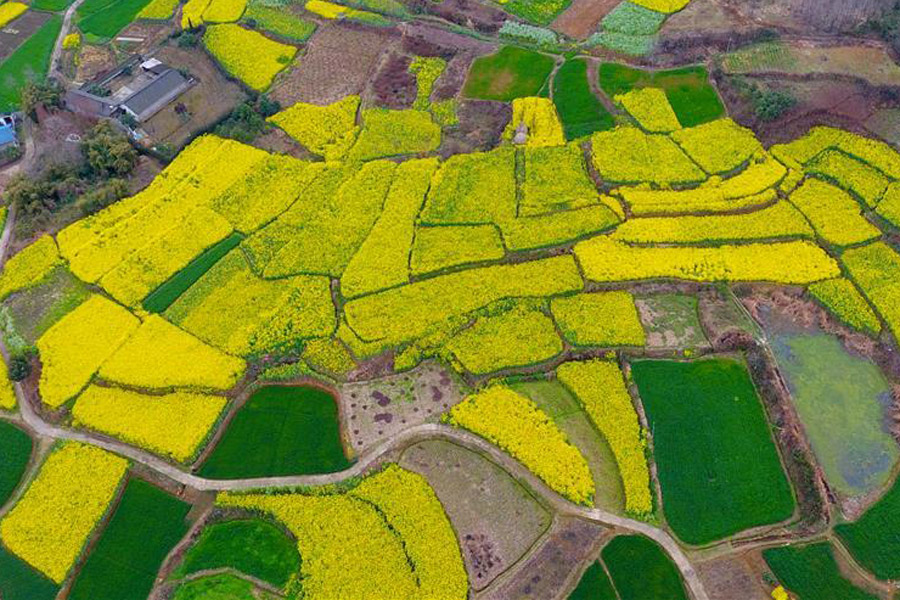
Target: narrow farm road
{"type": "Point", "coordinates": [419, 433]}
{"type": "Point", "coordinates": [371, 457]}
{"type": "Point", "coordinates": [58, 47]}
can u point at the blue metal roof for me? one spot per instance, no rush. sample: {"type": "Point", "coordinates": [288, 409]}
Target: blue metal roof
{"type": "Point", "coordinates": [7, 134]}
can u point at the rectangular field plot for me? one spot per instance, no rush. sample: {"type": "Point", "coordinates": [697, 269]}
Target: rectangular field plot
{"type": "Point", "coordinates": [713, 448]}
{"type": "Point", "coordinates": [29, 61]}
{"type": "Point", "coordinates": [19, 580]}
{"type": "Point", "coordinates": [693, 98]}
{"type": "Point", "coordinates": [280, 431]}
{"type": "Point", "coordinates": [510, 73]}
{"type": "Point", "coordinates": [15, 448]}
{"type": "Point", "coordinates": [145, 527]}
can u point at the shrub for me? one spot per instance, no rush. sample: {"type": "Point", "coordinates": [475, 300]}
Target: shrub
{"type": "Point", "coordinates": [50, 524]}
{"type": "Point", "coordinates": [72, 41]}
{"type": "Point", "coordinates": [528, 434]}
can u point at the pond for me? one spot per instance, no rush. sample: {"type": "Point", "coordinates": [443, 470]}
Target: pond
{"type": "Point", "coordinates": [280, 431]}
{"type": "Point", "coordinates": [841, 399]}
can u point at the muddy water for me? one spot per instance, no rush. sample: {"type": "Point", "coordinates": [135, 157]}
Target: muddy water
{"type": "Point", "coordinates": [841, 399]}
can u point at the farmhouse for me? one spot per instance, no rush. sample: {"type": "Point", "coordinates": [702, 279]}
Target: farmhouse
{"type": "Point", "coordinates": [138, 88]}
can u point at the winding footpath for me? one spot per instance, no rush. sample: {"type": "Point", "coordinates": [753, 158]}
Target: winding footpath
{"type": "Point", "coordinates": [55, 71]}
{"type": "Point", "coordinates": [369, 458]}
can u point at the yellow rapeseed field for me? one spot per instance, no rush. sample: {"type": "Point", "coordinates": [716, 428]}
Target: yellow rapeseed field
{"type": "Point", "coordinates": [74, 348]}
{"type": "Point", "coordinates": [173, 425]}
{"type": "Point", "coordinates": [50, 524]}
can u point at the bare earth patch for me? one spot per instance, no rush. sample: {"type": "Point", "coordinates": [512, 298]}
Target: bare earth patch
{"type": "Point", "coordinates": [375, 411]}
{"type": "Point", "coordinates": [554, 566]}
{"type": "Point", "coordinates": [495, 518]}
{"type": "Point", "coordinates": [730, 578]}
{"type": "Point", "coordinates": [338, 62]}
{"type": "Point", "coordinates": [209, 101]}
{"type": "Point", "coordinates": [582, 17]}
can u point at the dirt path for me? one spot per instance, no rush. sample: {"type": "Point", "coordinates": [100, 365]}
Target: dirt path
{"type": "Point", "coordinates": [55, 72]}
{"type": "Point", "coordinates": [415, 434]}
{"type": "Point", "coordinates": [46, 431]}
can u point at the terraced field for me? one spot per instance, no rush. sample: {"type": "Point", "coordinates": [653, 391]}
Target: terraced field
{"type": "Point", "coordinates": [491, 317]}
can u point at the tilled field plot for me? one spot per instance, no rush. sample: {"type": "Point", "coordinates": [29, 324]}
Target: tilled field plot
{"type": "Point", "coordinates": [375, 411]}
{"type": "Point", "coordinates": [337, 63]}
{"type": "Point", "coordinates": [14, 34]}
{"type": "Point", "coordinates": [496, 519]}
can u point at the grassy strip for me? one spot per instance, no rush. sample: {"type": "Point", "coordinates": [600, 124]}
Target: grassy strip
{"type": "Point", "coordinates": [105, 19]}
{"type": "Point", "coordinates": [510, 73]}
{"type": "Point", "coordinates": [692, 97]}
{"type": "Point", "coordinates": [51, 5]}
{"type": "Point", "coordinates": [162, 297]}
{"type": "Point", "coordinates": [15, 448]}
{"type": "Point", "coordinates": [580, 110]}
{"type": "Point", "coordinates": [30, 62]}
{"type": "Point", "coordinates": [145, 527]}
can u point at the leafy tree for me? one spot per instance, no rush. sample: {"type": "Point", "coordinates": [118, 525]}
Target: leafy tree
{"type": "Point", "coordinates": [19, 367]}
{"type": "Point", "coordinates": [108, 152]}
{"type": "Point", "coordinates": [49, 93]}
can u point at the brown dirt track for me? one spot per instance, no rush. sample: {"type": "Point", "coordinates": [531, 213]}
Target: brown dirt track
{"type": "Point", "coordinates": [582, 17]}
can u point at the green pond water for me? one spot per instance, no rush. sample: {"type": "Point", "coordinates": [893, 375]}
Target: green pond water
{"type": "Point", "coordinates": [841, 399]}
